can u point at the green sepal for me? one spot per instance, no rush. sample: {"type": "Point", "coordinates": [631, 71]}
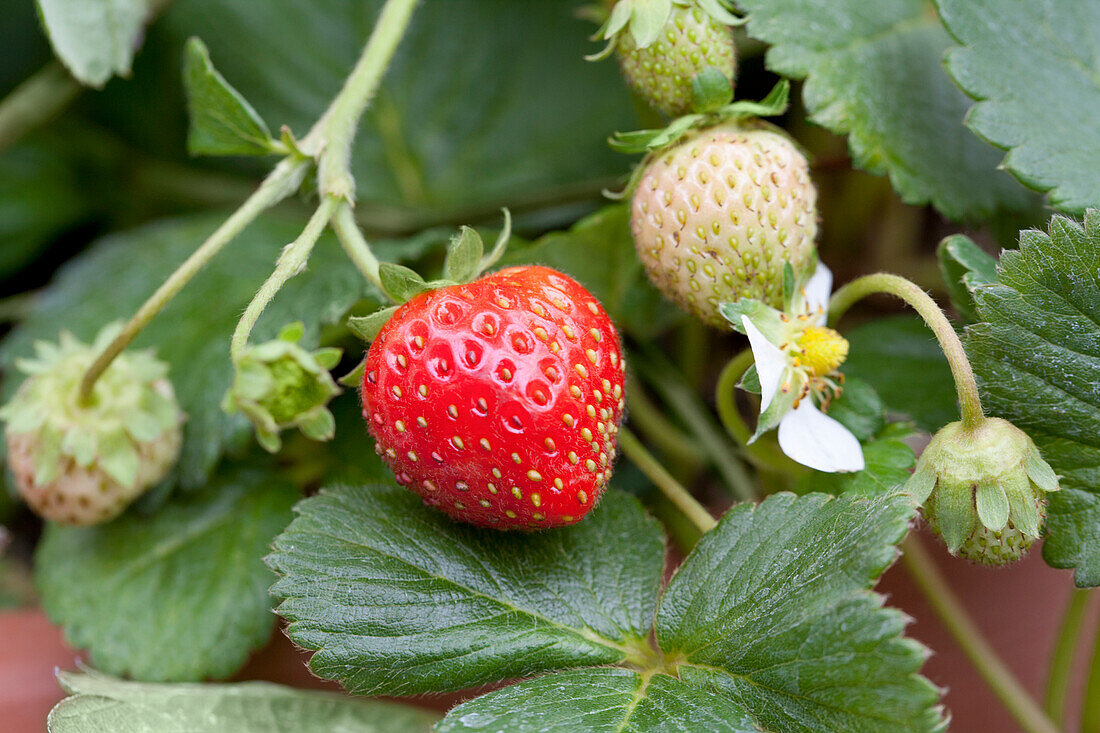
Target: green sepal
{"type": "Point", "coordinates": [992, 505]}
{"type": "Point", "coordinates": [921, 483]}
{"type": "Point", "coordinates": [292, 332]}
{"type": "Point", "coordinates": [328, 357]}
{"type": "Point", "coordinates": [781, 404]}
{"type": "Point", "coordinates": [354, 378]}
{"type": "Point", "coordinates": [750, 380]}
{"type": "Point", "coordinates": [720, 11]}
{"type": "Point", "coordinates": [464, 255]}
{"type": "Point", "coordinates": [1040, 471]}
{"type": "Point", "coordinates": [1023, 509]}
{"type": "Point", "coordinates": [642, 141]}
{"type": "Point", "coordinates": [118, 458]}
{"type": "Point", "coordinates": [399, 282]}
{"type": "Point", "coordinates": [142, 426]}
{"type": "Point", "coordinates": [789, 287]}
{"type": "Point", "coordinates": [318, 425]}
{"type": "Point", "coordinates": [710, 90]}
{"type": "Point", "coordinates": [47, 458]}
{"type": "Point", "coordinates": [82, 444]}
{"type": "Point", "coordinates": [367, 327]}
{"type": "Point", "coordinates": [762, 315]}
{"type": "Point", "coordinates": [955, 514]}
{"type": "Point", "coordinates": [500, 245]}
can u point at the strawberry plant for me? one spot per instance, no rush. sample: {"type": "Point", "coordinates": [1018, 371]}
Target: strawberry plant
{"type": "Point", "coordinates": [643, 460]}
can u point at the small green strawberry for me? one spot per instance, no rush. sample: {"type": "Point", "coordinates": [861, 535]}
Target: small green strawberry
{"type": "Point", "coordinates": [984, 490]}
{"type": "Point", "coordinates": [717, 216]}
{"type": "Point", "coordinates": [83, 464]}
{"type": "Point", "coordinates": [662, 72]}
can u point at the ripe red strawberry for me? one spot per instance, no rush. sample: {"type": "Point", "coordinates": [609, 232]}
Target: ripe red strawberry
{"type": "Point", "coordinates": [498, 401]}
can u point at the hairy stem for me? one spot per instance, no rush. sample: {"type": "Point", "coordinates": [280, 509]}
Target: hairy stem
{"type": "Point", "coordinates": [1015, 699]}
{"type": "Point", "coordinates": [356, 245]}
{"type": "Point", "coordinates": [634, 450]}
{"type": "Point", "coordinates": [1090, 711]}
{"type": "Point", "coordinates": [335, 131]}
{"type": "Point", "coordinates": [283, 181]}
{"type": "Point", "coordinates": [36, 101]}
{"type": "Point", "coordinates": [1064, 654]}
{"type": "Point", "coordinates": [970, 402]}
{"type": "Point", "coordinates": [291, 262]}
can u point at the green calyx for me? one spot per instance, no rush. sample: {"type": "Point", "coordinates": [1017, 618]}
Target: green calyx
{"type": "Point", "coordinates": [643, 20]}
{"type": "Point", "coordinates": [278, 385]}
{"type": "Point", "coordinates": [984, 490]}
{"type": "Point", "coordinates": [132, 412]}
{"type": "Point", "coordinates": [466, 261]}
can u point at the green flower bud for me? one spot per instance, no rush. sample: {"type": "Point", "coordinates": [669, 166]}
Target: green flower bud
{"type": "Point", "coordinates": [278, 385]}
{"type": "Point", "coordinates": [984, 490]}
{"type": "Point", "coordinates": [84, 463]}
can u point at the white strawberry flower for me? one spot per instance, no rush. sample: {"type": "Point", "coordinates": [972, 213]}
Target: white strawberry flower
{"type": "Point", "coordinates": [797, 358]}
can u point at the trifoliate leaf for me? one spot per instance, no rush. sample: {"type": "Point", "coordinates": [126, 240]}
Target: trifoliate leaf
{"type": "Point", "coordinates": [1036, 353]}
{"type": "Point", "coordinates": [222, 121]}
{"type": "Point", "coordinates": [181, 595]}
{"type": "Point", "coordinates": [102, 704]}
{"type": "Point", "coordinates": [1030, 66]}
{"type": "Point", "coordinates": [773, 611]}
{"type": "Point", "coordinates": [396, 598]}
{"type": "Point", "coordinates": [873, 71]}
{"type": "Point", "coordinates": [95, 39]}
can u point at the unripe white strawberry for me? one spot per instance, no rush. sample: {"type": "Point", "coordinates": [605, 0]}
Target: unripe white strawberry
{"type": "Point", "coordinates": [83, 464]}
{"type": "Point", "coordinates": [716, 217]}
{"type": "Point", "coordinates": [690, 41]}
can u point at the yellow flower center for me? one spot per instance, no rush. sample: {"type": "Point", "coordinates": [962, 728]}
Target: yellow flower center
{"type": "Point", "coordinates": [823, 350]}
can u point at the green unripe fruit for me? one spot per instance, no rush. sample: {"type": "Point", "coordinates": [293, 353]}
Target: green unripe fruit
{"type": "Point", "coordinates": [984, 490]}
{"type": "Point", "coordinates": [662, 72]}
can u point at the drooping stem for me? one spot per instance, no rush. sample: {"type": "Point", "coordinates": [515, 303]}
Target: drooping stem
{"type": "Point", "coordinates": [1064, 655]}
{"type": "Point", "coordinates": [663, 480]}
{"type": "Point", "coordinates": [966, 387]}
{"type": "Point", "coordinates": [1015, 699]}
{"type": "Point", "coordinates": [291, 262]}
{"type": "Point", "coordinates": [283, 181]}
{"type": "Point", "coordinates": [335, 131]}
{"type": "Point", "coordinates": [36, 101]}
{"type": "Point", "coordinates": [355, 244]}
{"type": "Point", "coordinates": [1090, 711]}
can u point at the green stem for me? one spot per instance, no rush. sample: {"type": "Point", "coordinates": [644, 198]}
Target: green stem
{"type": "Point", "coordinates": [1090, 710]}
{"type": "Point", "coordinates": [666, 380]}
{"type": "Point", "coordinates": [291, 262]}
{"type": "Point", "coordinates": [283, 181]}
{"type": "Point", "coordinates": [725, 396]}
{"type": "Point", "coordinates": [659, 429]}
{"type": "Point", "coordinates": [36, 101]}
{"type": "Point", "coordinates": [1015, 699]}
{"type": "Point", "coordinates": [970, 402]}
{"type": "Point", "coordinates": [634, 450]}
{"type": "Point", "coordinates": [335, 131]}
{"type": "Point", "coordinates": [356, 245]}
{"type": "Point", "coordinates": [1061, 660]}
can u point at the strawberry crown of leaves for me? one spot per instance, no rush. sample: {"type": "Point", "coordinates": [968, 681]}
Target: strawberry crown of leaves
{"type": "Point", "coordinates": [712, 99]}
{"type": "Point", "coordinates": [466, 260]}
{"type": "Point", "coordinates": [644, 19]}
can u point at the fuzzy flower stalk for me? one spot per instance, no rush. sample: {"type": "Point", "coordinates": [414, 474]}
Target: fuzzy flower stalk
{"type": "Point", "coordinates": [797, 363]}
{"type": "Point", "coordinates": [83, 462]}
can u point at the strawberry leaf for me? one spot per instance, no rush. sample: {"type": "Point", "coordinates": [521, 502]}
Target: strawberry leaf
{"type": "Point", "coordinates": [190, 577]}
{"type": "Point", "coordinates": [604, 698]}
{"type": "Point", "coordinates": [1036, 353]}
{"type": "Point", "coordinates": [395, 598]}
{"type": "Point", "coordinates": [95, 39]}
{"type": "Point", "coordinates": [1036, 99]}
{"type": "Point", "coordinates": [222, 121]}
{"type": "Point", "coordinates": [102, 704]}
{"type": "Point", "coordinates": [873, 72]}
{"type": "Point", "coordinates": [773, 612]}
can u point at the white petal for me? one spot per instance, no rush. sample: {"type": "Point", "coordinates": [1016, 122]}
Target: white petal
{"type": "Point", "coordinates": [816, 440]}
{"type": "Point", "coordinates": [818, 288]}
{"type": "Point", "coordinates": [770, 362]}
